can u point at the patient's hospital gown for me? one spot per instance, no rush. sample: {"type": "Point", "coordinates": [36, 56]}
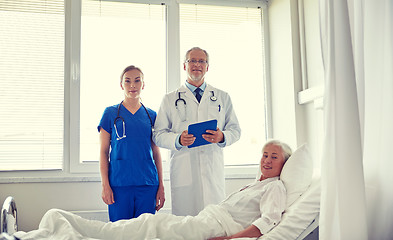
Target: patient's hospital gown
{"type": "Point", "coordinates": [260, 203]}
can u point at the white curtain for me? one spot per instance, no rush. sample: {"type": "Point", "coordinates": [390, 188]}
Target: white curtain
{"type": "Point", "coordinates": [378, 130]}
{"type": "Point", "coordinates": [357, 177]}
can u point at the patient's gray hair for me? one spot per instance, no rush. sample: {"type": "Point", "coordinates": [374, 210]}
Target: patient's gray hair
{"type": "Point", "coordinates": [287, 151]}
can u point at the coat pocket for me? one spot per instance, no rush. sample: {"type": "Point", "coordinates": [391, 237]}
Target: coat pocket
{"type": "Point", "coordinates": [181, 170]}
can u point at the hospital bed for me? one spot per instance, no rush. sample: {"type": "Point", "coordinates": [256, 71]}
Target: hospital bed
{"type": "Point", "coordinates": [299, 221]}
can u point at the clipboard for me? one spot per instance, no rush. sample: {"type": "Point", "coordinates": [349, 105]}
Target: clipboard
{"type": "Point", "coordinates": [197, 129]}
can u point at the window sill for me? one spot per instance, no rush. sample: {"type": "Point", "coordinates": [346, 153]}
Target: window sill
{"type": "Point", "coordinates": [241, 172]}
{"type": "Point", "coordinates": [231, 172]}
{"type": "Point", "coordinates": [66, 179]}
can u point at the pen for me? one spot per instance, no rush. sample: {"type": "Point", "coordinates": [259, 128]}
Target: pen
{"type": "Point", "coordinates": [219, 107]}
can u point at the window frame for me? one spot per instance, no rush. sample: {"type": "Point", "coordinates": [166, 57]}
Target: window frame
{"type": "Point", "coordinates": [89, 171]}
{"type": "Point", "coordinates": [76, 166]}
{"type": "Point", "coordinates": [32, 135]}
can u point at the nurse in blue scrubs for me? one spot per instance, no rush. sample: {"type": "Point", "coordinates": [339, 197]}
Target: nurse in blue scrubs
{"type": "Point", "coordinates": [130, 163]}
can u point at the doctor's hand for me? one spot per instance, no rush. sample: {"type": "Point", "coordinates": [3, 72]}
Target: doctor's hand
{"type": "Point", "coordinates": [186, 139]}
{"type": "Point", "coordinates": [107, 195]}
{"type": "Point", "coordinates": [214, 136]}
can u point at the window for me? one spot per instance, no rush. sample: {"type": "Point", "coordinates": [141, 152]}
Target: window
{"type": "Point", "coordinates": [31, 84]}
{"type": "Point", "coordinates": [233, 38]}
{"type": "Point", "coordinates": [115, 35]}
{"type": "Point", "coordinates": [61, 60]}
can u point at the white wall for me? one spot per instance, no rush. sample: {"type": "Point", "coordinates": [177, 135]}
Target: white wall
{"type": "Point", "coordinates": [315, 78]}
{"type": "Point", "coordinates": [282, 72]}
{"type": "Point", "coordinates": [34, 199]}
{"type": "Point", "coordinates": [293, 123]}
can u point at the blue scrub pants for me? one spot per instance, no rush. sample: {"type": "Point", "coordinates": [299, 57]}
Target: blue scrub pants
{"type": "Point", "coordinates": [132, 201]}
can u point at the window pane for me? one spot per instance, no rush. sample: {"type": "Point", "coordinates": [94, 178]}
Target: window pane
{"type": "Point", "coordinates": [31, 84]}
{"type": "Point", "coordinates": [233, 38]}
{"type": "Point", "coordinates": [113, 36]}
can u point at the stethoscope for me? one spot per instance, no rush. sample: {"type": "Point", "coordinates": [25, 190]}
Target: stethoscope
{"type": "Point", "coordinates": [212, 98]}
{"type": "Point", "coordinates": [182, 112]}
{"type": "Point", "coordinates": [124, 125]}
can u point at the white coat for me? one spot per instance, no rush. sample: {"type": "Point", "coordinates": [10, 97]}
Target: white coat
{"type": "Point", "coordinates": [196, 174]}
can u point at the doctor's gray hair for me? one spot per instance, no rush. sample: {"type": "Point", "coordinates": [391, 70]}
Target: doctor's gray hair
{"type": "Point", "coordinates": [129, 68]}
{"type": "Point", "coordinates": [199, 49]}
{"type": "Point", "coordinates": [286, 150]}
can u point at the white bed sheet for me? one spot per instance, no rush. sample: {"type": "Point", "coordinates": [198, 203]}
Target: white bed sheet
{"type": "Point", "coordinates": [58, 224]}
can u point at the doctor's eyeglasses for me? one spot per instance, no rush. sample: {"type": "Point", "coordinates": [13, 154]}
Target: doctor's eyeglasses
{"type": "Point", "coordinates": [194, 61]}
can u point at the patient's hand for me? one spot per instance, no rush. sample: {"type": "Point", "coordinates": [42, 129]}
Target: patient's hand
{"type": "Point", "coordinates": [220, 238]}
{"type": "Point", "coordinates": [250, 232]}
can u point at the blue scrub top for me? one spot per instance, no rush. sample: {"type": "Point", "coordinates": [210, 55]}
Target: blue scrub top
{"type": "Point", "coordinates": [131, 158]}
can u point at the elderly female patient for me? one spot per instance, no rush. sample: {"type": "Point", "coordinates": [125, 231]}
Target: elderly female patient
{"type": "Point", "coordinates": [250, 212]}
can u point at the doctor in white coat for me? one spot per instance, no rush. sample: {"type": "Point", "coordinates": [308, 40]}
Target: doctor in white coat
{"type": "Point", "coordinates": [196, 174]}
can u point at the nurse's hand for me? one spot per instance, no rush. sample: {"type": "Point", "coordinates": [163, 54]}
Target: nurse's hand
{"type": "Point", "coordinates": [186, 139]}
{"type": "Point", "coordinates": [214, 136]}
{"type": "Point", "coordinates": [160, 197]}
{"type": "Point", "coordinates": [107, 195]}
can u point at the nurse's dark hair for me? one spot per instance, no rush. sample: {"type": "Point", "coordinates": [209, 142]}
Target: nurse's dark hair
{"type": "Point", "coordinates": [196, 48]}
{"type": "Point", "coordinates": [129, 68]}
{"type": "Point", "coordinates": [286, 150]}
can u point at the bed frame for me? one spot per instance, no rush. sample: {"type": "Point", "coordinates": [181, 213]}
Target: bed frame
{"type": "Point", "coordinates": [311, 232]}
{"type": "Point", "coordinates": [9, 219]}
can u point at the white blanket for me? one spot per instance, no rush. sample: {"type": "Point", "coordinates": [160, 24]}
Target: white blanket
{"type": "Point", "coordinates": [211, 222]}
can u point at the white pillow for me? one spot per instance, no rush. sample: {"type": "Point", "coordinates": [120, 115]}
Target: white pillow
{"type": "Point", "coordinates": [297, 173]}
